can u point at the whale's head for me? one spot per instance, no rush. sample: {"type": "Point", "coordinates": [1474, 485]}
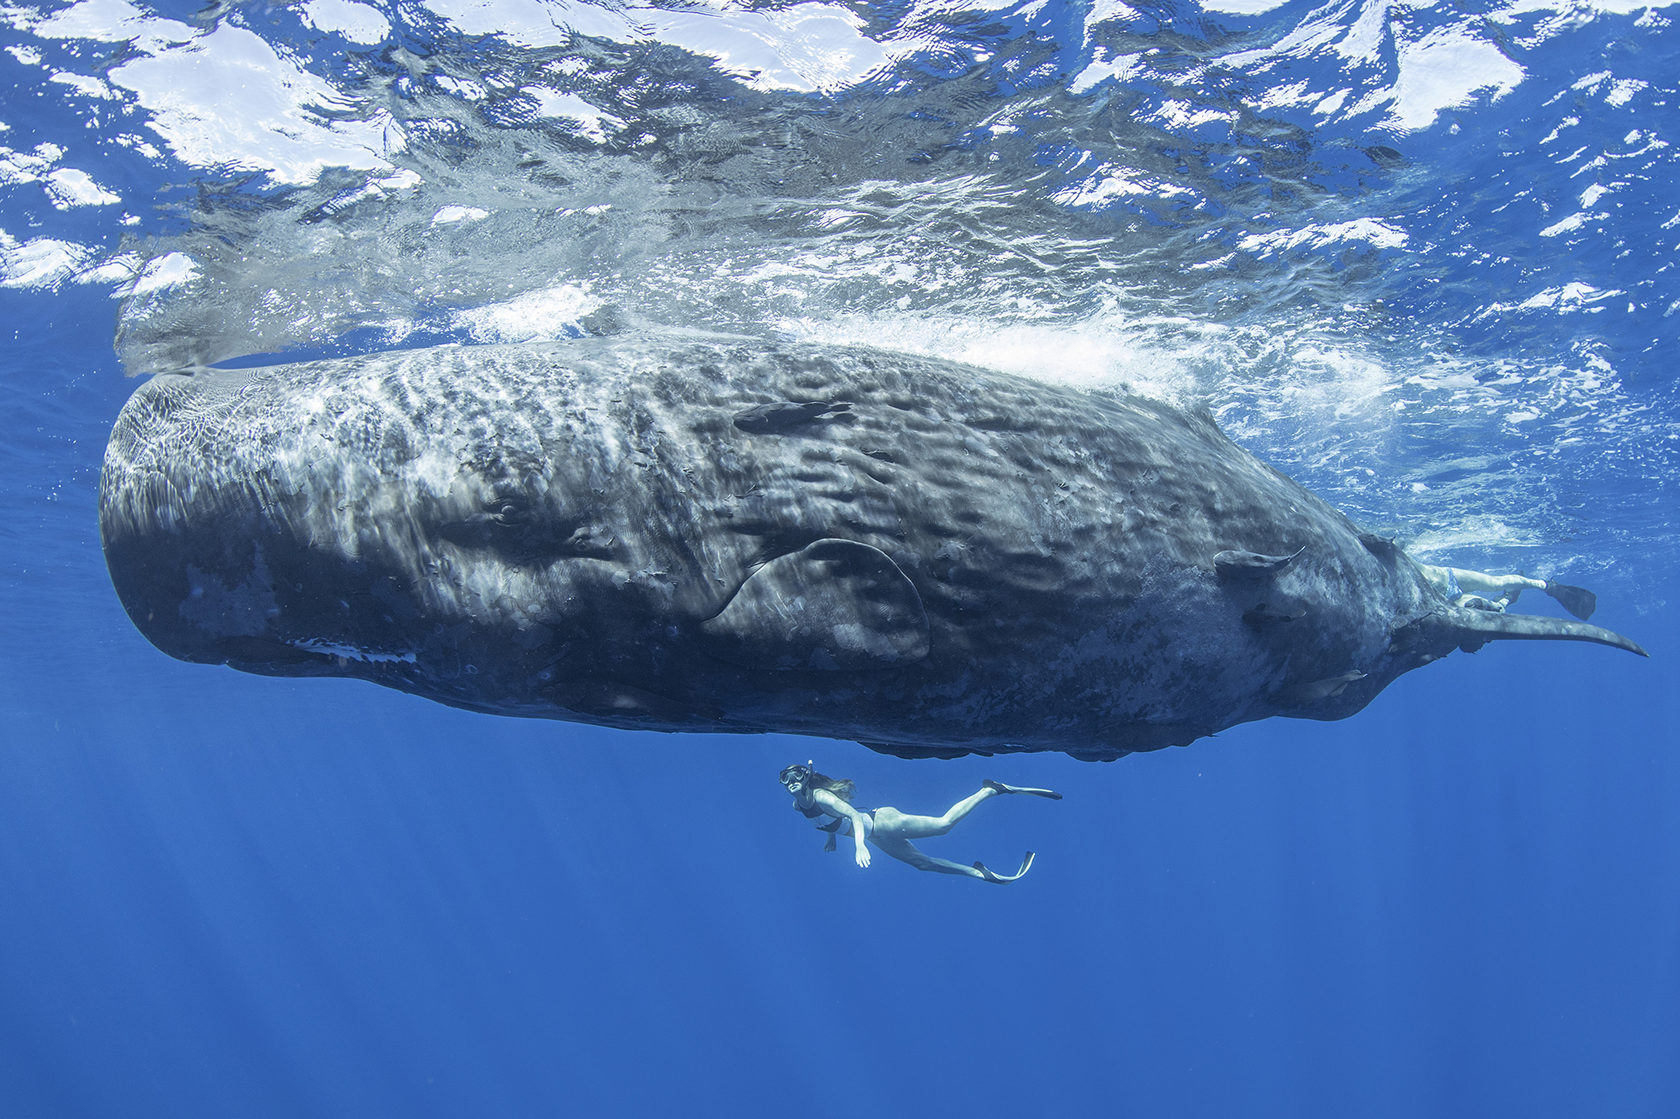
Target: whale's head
{"type": "Point", "coordinates": [406, 522]}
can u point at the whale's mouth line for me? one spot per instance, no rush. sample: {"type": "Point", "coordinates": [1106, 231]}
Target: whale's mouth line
{"type": "Point", "coordinates": [276, 657]}
{"type": "Point", "coordinates": [338, 651]}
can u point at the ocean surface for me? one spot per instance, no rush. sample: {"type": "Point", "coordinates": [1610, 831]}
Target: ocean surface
{"type": "Point", "coordinates": [1424, 258]}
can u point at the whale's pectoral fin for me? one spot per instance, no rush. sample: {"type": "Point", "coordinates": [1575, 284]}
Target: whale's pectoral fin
{"type": "Point", "coordinates": [1238, 564]}
{"type": "Point", "coordinates": [1577, 600]}
{"type": "Point", "coordinates": [834, 605]}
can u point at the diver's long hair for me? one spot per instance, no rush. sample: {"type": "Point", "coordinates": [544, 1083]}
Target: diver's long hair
{"type": "Point", "coordinates": [840, 788]}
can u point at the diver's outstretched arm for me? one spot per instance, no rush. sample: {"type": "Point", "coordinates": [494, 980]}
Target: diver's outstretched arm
{"type": "Point", "coordinates": [862, 854]}
{"type": "Point", "coordinates": [834, 806]}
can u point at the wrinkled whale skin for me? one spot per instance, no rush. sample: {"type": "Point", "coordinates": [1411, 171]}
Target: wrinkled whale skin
{"type": "Point", "coordinates": [671, 531]}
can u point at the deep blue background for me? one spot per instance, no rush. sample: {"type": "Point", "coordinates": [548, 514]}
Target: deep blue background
{"type": "Point", "coordinates": [227, 895]}
{"type": "Point", "coordinates": [222, 895]}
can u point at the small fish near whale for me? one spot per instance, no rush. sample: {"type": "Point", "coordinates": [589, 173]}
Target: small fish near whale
{"type": "Point", "coordinates": [673, 531]}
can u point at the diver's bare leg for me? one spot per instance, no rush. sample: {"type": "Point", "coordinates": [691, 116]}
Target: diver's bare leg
{"type": "Point", "coordinates": [1577, 600]}
{"type": "Point", "coordinates": [902, 825]}
{"type": "Point", "coordinates": [1507, 587]}
{"type": "Point", "coordinates": [906, 852]}
{"type": "Point", "coordinates": [892, 823]}
{"type": "Point", "coordinates": [1504, 589]}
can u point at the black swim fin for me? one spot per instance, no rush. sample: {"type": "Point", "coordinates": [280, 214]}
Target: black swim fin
{"type": "Point", "coordinates": [1577, 600]}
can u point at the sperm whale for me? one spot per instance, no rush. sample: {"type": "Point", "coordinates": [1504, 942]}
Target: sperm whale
{"type": "Point", "coordinates": [684, 532]}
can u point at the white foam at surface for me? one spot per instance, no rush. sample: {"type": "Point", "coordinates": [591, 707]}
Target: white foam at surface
{"type": "Point", "coordinates": [40, 263]}
{"type": "Point", "coordinates": [531, 317]}
{"type": "Point", "coordinates": [448, 215]}
{"type": "Point", "coordinates": [271, 130]}
{"type": "Point", "coordinates": [593, 122]}
{"type": "Point", "coordinates": [1181, 115]}
{"type": "Point", "coordinates": [1576, 7]}
{"type": "Point", "coordinates": [70, 187]}
{"type": "Point", "coordinates": [1476, 531]}
{"type": "Point", "coordinates": [358, 23]}
{"type": "Point", "coordinates": [1364, 38]}
{"type": "Point", "coordinates": [86, 85]}
{"type": "Point", "coordinates": [166, 271]}
{"type": "Point", "coordinates": [534, 23]}
{"type": "Point", "coordinates": [224, 97]}
{"type": "Point", "coordinates": [1373, 231]}
{"type": "Point", "coordinates": [1444, 70]}
{"type": "Point", "coordinates": [1093, 355]}
{"type": "Point", "coordinates": [1101, 68]}
{"type": "Point", "coordinates": [1567, 225]}
{"type": "Point", "coordinates": [1574, 296]}
{"type": "Point", "coordinates": [117, 270]}
{"type": "Point", "coordinates": [805, 48]}
{"type": "Point", "coordinates": [1110, 183]}
{"type": "Point", "coordinates": [1242, 7]}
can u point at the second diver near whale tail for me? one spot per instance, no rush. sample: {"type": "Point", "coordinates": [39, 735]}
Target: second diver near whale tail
{"type": "Point", "coordinates": [816, 795]}
{"type": "Point", "coordinates": [1482, 591]}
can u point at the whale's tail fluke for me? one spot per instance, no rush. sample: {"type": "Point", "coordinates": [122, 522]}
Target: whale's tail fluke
{"type": "Point", "coordinates": [1477, 627]}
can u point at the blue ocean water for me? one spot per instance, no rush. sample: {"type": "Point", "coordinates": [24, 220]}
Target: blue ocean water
{"type": "Point", "coordinates": [1420, 257]}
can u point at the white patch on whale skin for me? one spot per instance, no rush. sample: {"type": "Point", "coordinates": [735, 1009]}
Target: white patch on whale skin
{"type": "Point", "coordinates": [352, 653]}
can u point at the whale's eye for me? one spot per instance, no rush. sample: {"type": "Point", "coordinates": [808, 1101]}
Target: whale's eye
{"type": "Point", "coordinates": [522, 532]}
{"type": "Point", "coordinates": [508, 511]}
{"type": "Point", "coordinates": [502, 523]}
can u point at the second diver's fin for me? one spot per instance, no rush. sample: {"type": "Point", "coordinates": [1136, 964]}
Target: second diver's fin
{"type": "Point", "coordinates": [1577, 600]}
